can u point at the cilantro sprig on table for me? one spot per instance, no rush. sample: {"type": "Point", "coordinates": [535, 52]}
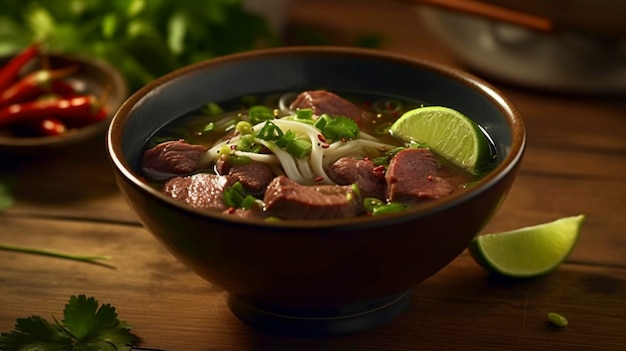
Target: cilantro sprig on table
{"type": "Point", "coordinates": [86, 326]}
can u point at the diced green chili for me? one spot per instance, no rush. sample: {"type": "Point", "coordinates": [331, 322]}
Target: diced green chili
{"type": "Point", "coordinates": [248, 143]}
{"type": "Point", "coordinates": [369, 203]}
{"type": "Point", "coordinates": [244, 127]}
{"type": "Point", "coordinates": [388, 208]}
{"type": "Point", "coordinates": [557, 319]}
{"type": "Point", "coordinates": [209, 127]}
{"type": "Point", "coordinates": [355, 189]}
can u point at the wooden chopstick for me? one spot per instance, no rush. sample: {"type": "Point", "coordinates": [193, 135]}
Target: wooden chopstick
{"type": "Point", "coordinates": [492, 11]}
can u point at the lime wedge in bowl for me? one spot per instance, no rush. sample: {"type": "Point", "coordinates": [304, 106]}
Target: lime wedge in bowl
{"type": "Point", "coordinates": [530, 251]}
{"type": "Point", "coordinates": [448, 133]}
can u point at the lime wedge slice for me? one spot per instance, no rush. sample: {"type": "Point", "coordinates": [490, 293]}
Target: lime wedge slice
{"type": "Point", "coordinates": [447, 132]}
{"type": "Point", "coordinates": [530, 251]}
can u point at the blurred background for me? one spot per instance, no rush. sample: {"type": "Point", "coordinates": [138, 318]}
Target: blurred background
{"type": "Point", "coordinates": [579, 48]}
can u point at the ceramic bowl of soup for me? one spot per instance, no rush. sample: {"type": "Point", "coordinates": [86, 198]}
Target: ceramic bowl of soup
{"type": "Point", "coordinates": [314, 265]}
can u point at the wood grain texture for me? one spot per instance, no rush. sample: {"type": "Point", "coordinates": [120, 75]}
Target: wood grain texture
{"type": "Point", "coordinates": [575, 163]}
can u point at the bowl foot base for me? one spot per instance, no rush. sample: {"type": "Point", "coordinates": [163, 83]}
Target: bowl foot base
{"type": "Point", "coordinates": [332, 322]}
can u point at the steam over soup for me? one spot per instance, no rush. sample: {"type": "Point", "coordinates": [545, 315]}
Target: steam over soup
{"type": "Point", "coordinates": [308, 155]}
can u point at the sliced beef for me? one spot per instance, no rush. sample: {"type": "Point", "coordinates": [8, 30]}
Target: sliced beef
{"type": "Point", "coordinates": [200, 190]}
{"type": "Point", "coordinates": [322, 101]}
{"type": "Point", "coordinates": [412, 177]}
{"type": "Point", "coordinates": [287, 199]}
{"type": "Point", "coordinates": [253, 175]}
{"type": "Point", "coordinates": [369, 178]}
{"type": "Point", "coordinates": [175, 157]}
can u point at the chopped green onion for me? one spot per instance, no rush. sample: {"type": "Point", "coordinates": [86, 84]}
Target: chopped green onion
{"type": "Point", "coordinates": [304, 113]}
{"type": "Point", "coordinates": [416, 145]}
{"type": "Point", "coordinates": [248, 202]}
{"type": "Point", "coordinates": [322, 121]}
{"type": "Point", "coordinates": [232, 198]}
{"type": "Point", "coordinates": [260, 114]}
{"type": "Point", "coordinates": [209, 127]}
{"type": "Point", "coordinates": [270, 132]}
{"type": "Point", "coordinates": [384, 160]}
{"type": "Point", "coordinates": [239, 187]}
{"type": "Point", "coordinates": [238, 160]}
{"type": "Point", "coordinates": [299, 148]}
{"type": "Point", "coordinates": [211, 109]}
{"type": "Point", "coordinates": [286, 138]}
{"type": "Point", "coordinates": [236, 195]}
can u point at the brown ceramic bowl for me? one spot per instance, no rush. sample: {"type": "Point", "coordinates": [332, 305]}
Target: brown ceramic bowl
{"type": "Point", "coordinates": [94, 77]}
{"type": "Point", "coordinates": [316, 277]}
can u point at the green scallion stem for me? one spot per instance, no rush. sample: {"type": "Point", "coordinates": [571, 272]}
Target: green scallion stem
{"type": "Point", "coordinates": [50, 253]}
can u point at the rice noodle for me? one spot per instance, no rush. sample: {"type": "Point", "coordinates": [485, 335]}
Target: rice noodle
{"type": "Point", "coordinates": [301, 170]}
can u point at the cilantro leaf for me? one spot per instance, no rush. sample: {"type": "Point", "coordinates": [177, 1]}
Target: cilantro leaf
{"type": "Point", "coordinates": [85, 327]}
{"type": "Point", "coordinates": [34, 333]}
{"type": "Point", "coordinates": [143, 39]}
{"type": "Point", "coordinates": [340, 128]}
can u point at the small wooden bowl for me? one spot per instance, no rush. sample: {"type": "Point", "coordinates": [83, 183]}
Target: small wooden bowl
{"type": "Point", "coordinates": [93, 76]}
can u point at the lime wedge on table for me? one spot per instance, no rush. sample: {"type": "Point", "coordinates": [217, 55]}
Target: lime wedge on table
{"type": "Point", "coordinates": [447, 132]}
{"type": "Point", "coordinates": [529, 251]}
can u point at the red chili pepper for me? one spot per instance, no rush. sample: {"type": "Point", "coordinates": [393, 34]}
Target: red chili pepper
{"type": "Point", "coordinates": [76, 111]}
{"type": "Point", "coordinates": [63, 89]}
{"type": "Point", "coordinates": [10, 71]}
{"type": "Point", "coordinates": [50, 127]}
{"type": "Point", "coordinates": [33, 85]}
{"type": "Point", "coordinates": [379, 171]}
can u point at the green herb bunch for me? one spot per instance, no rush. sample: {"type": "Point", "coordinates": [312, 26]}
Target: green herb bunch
{"type": "Point", "coordinates": [144, 39]}
{"type": "Point", "coordinates": [85, 327]}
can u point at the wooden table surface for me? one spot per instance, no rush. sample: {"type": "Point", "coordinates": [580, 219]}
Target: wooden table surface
{"type": "Point", "coordinates": [575, 163]}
